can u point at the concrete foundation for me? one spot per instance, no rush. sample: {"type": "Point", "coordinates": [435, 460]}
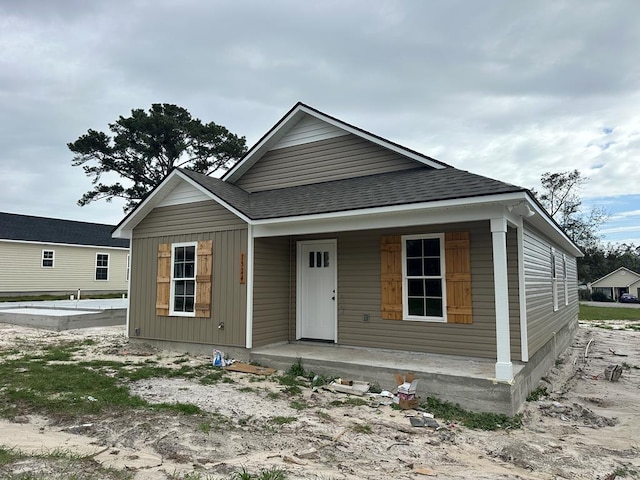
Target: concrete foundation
{"type": "Point", "coordinates": [63, 318]}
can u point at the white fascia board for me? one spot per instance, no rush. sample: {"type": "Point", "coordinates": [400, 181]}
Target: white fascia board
{"type": "Point", "coordinates": [263, 145]}
{"type": "Point", "coordinates": [431, 213]}
{"type": "Point", "coordinates": [372, 138]}
{"type": "Point", "coordinates": [33, 242]}
{"type": "Point", "coordinates": [541, 220]}
{"type": "Point", "coordinates": [292, 118]}
{"type": "Point", "coordinates": [126, 228]}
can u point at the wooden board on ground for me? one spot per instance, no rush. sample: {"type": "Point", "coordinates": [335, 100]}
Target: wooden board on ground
{"type": "Point", "coordinates": [246, 368]}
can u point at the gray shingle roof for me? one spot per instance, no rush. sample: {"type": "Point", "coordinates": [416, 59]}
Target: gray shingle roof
{"type": "Point", "coordinates": [416, 185]}
{"type": "Point", "coordinates": [54, 230]}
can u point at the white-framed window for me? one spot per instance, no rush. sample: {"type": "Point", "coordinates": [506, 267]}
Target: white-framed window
{"type": "Point", "coordinates": [554, 278]}
{"type": "Point", "coordinates": [183, 279]}
{"type": "Point", "coordinates": [48, 257]}
{"type": "Point", "coordinates": [423, 277]}
{"type": "Point", "coordinates": [127, 271]}
{"type": "Point", "coordinates": [102, 266]}
{"type": "Point", "coordinates": [565, 278]}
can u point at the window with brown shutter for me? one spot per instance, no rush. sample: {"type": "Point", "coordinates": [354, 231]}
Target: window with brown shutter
{"type": "Point", "coordinates": [183, 283]}
{"type": "Point", "coordinates": [420, 286]}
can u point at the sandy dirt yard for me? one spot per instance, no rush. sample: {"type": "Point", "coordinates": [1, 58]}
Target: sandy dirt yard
{"type": "Point", "coordinates": [585, 427]}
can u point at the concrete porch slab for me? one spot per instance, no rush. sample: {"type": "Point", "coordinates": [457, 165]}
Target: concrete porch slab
{"type": "Point", "coordinates": [468, 381]}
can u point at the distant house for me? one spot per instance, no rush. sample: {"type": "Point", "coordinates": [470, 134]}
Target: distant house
{"type": "Point", "coordinates": [326, 233]}
{"type": "Point", "coordinates": [41, 255]}
{"type": "Point", "coordinates": [616, 283]}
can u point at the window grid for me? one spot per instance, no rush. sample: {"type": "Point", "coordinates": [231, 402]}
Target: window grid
{"type": "Point", "coordinates": [184, 278]}
{"type": "Point", "coordinates": [47, 258]}
{"type": "Point", "coordinates": [423, 282]}
{"type": "Point", "coordinates": [102, 266]}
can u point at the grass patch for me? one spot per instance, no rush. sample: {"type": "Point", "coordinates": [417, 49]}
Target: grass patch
{"type": "Point", "coordinates": [480, 421]}
{"type": "Point", "coordinates": [537, 393]}
{"type": "Point", "coordinates": [37, 383]}
{"type": "Point", "coordinates": [299, 405]}
{"type": "Point", "coordinates": [590, 313]}
{"type": "Point", "coordinates": [278, 420]}
{"type": "Point", "coordinates": [361, 428]}
{"type": "Point", "coordinates": [270, 474]}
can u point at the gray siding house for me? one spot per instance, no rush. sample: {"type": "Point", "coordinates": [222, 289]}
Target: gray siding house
{"type": "Point", "coordinates": [326, 232]}
{"type": "Point", "coordinates": [40, 255]}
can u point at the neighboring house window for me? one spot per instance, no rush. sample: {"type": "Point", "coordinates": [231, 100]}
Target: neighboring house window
{"type": "Point", "coordinates": [47, 258]}
{"type": "Point", "coordinates": [565, 278]}
{"type": "Point", "coordinates": [102, 266]}
{"type": "Point", "coordinates": [183, 282]}
{"type": "Point", "coordinates": [127, 271]}
{"type": "Point", "coordinates": [554, 279]}
{"type": "Point", "coordinates": [183, 278]}
{"type": "Point", "coordinates": [423, 277]}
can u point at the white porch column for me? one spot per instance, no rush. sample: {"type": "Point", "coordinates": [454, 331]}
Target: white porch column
{"type": "Point", "coordinates": [504, 367]}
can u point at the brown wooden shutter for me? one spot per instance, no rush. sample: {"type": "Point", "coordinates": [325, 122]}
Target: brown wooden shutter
{"type": "Point", "coordinates": [163, 280]}
{"type": "Point", "coordinates": [457, 254]}
{"type": "Point", "coordinates": [203, 278]}
{"type": "Point", "coordinates": [391, 277]}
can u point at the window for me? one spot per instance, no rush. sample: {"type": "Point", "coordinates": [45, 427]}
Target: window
{"type": "Point", "coordinates": [554, 279]}
{"type": "Point", "coordinates": [47, 258]}
{"type": "Point", "coordinates": [423, 277]}
{"type": "Point", "coordinates": [183, 278]}
{"type": "Point", "coordinates": [127, 271]}
{"type": "Point", "coordinates": [102, 266]}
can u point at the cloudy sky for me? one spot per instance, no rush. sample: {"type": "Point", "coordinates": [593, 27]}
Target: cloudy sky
{"type": "Point", "coordinates": [506, 89]}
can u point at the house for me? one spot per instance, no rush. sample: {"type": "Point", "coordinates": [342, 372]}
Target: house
{"type": "Point", "coordinates": [324, 232]}
{"type": "Point", "coordinates": [41, 255]}
{"type": "Point", "coordinates": [616, 283]}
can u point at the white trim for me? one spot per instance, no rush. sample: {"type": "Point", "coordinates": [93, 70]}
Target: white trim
{"type": "Point", "coordinates": [124, 230]}
{"type": "Point", "coordinates": [95, 270]}
{"type": "Point", "coordinates": [503, 367]}
{"type": "Point", "coordinates": [173, 313]}
{"type": "Point", "coordinates": [554, 278]}
{"type": "Point", "coordinates": [522, 294]}
{"type": "Point", "coordinates": [565, 278]}
{"type": "Point", "coordinates": [249, 273]}
{"type": "Point", "coordinates": [299, 263]}
{"type": "Point", "coordinates": [31, 242]}
{"type": "Point", "coordinates": [128, 321]}
{"type": "Point", "coordinates": [405, 279]}
{"type": "Point", "coordinates": [53, 258]}
{"type": "Point", "coordinates": [286, 123]}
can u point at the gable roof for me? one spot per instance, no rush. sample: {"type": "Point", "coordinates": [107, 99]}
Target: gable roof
{"type": "Point", "coordinates": [418, 185]}
{"type": "Point", "coordinates": [27, 228]}
{"type": "Point", "coordinates": [301, 111]}
{"type": "Point", "coordinates": [636, 276]}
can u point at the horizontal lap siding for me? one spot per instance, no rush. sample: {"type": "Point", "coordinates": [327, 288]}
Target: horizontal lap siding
{"type": "Point", "coordinates": [274, 277]}
{"type": "Point", "coordinates": [196, 217]}
{"type": "Point", "coordinates": [332, 159]}
{"type": "Point", "coordinates": [175, 224]}
{"type": "Point", "coordinates": [359, 293]}
{"type": "Point", "coordinates": [74, 268]}
{"type": "Point", "coordinates": [542, 321]}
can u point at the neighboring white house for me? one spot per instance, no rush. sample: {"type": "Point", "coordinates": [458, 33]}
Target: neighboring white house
{"type": "Point", "coordinates": [41, 255]}
{"type": "Point", "coordinates": [616, 283]}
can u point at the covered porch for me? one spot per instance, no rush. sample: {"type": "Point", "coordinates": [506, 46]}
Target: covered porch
{"type": "Point", "coordinates": [469, 381]}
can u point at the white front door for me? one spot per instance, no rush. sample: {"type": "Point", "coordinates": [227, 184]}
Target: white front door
{"type": "Point", "coordinates": [316, 292]}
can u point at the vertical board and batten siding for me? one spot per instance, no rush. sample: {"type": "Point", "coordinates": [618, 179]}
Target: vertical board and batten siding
{"type": "Point", "coordinates": [336, 158]}
{"type": "Point", "coordinates": [273, 290]}
{"type": "Point", "coordinates": [542, 321]}
{"type": "Point", "coordinates": [309, 129]}
{"type": "Point", "coordinates": [74, 268]}
{"type": "Point", "coordinates": [359, 293]}
{"type": "Point", "coordinates": [188, 223]}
